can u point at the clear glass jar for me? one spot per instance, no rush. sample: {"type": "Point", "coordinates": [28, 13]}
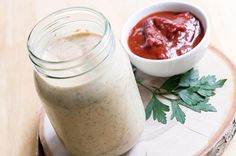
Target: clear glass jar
{"type": "Point", "coordinates": [92, 100]}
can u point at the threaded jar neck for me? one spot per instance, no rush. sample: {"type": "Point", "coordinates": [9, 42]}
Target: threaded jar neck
{"type": "Point", "coordinates": [64, 23]}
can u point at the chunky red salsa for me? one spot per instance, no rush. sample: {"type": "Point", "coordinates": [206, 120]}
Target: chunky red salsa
{"type": "Point", "coordinates": [164, 35]}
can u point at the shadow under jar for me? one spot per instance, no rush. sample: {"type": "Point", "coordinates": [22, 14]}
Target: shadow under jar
{"type": "Point", "coordinates": [86, 83]}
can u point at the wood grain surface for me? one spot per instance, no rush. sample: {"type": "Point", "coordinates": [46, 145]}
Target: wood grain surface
{"type": "Point", "coordinates": [19, 103]}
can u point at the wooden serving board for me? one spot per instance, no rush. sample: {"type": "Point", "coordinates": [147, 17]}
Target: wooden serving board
{"type": "Point", "coordinates": [202, 134]}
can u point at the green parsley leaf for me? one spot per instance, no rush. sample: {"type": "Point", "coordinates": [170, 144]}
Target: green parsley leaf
{"type": "Point", "coordinates": [206, 92]}
{"type": "Point", "coordinates": [157, 109]}
{"type": "Point", "coordinates": [205, 107]}
{"type": "Point", "coordinates": [220, 83]}
{"type": "Point", "coordinates": [189, 78]}
{"type": "Point", "coordinates": [189, 91]}
{"type": "Point", "coordinates": [202, 106]}
{"type": "Point", "coordinates": [149, 108]}
{"type": "Point", "coordinates": [171, 83]}
{"type": "Point", "coordinates": [190, 97]}
{"type": "Point", "coordinates": [209, 82]}
{"type": "Point", "coordinates": [180, 102]}
{"type": "Point", "coordinates": [177, 112]}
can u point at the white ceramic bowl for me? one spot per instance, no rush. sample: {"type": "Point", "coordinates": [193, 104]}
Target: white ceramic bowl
{"type": "Point", "coordinates": [172, 66]}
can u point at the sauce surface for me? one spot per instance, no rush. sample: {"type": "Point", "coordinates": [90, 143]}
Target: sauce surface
{"type": "Point", "coordinates": [69, 47]}
{"type": "Point", "coordinates": [165, 35]}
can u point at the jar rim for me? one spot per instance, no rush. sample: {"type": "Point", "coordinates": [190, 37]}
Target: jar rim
{"type": "Point", "coordinates": [107, 28]}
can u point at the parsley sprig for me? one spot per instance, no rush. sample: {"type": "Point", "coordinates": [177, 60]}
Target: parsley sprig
{"type": "Point", "coordinates": [188, 90]}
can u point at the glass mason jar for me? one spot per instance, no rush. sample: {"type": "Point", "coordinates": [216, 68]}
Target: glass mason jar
{"type": "Point", "coordinates": [92, 100]}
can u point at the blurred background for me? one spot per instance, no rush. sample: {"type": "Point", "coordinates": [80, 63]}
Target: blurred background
{"type": "Point", "coordinates": [19, 104]}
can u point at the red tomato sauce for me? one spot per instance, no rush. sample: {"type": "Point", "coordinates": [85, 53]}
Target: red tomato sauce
{"type": "Point", "coordinates": [165, 35]}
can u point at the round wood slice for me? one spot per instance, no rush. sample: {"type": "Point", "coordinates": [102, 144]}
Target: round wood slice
{"type": "Point", "coordinates": [202, 134]}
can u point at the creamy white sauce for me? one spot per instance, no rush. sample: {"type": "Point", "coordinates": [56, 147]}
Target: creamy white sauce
{"type": "Point", "coordinates": [98, 114]}
{"type": "Point", "coordinates": [70, 47]}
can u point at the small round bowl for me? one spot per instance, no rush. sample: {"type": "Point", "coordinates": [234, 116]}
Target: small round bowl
{"type": "Point", "coordinates": [172, 66]}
